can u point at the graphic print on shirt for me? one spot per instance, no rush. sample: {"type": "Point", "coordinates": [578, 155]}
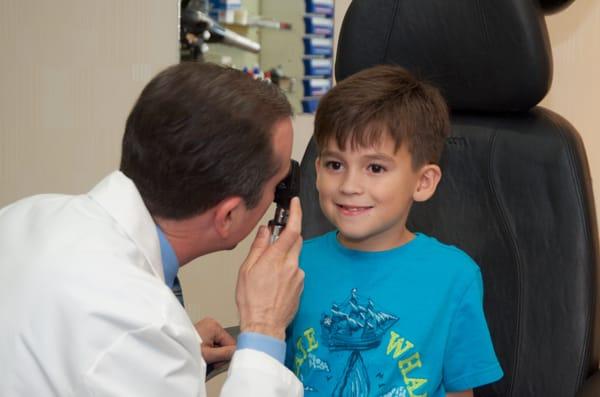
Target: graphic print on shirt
{"type": "Point", "coordinates": [356, 326]}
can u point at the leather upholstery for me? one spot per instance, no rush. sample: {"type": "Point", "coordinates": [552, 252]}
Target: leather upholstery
{"type": "Point", "coordinates": [484, 55]}
{"type": "Point", "coordinates": [553, 6]}
{"type": "Point", "coordinates": [516, 189]}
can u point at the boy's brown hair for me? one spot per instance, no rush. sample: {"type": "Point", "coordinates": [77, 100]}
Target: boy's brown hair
{"type": "Point", "coordinates": [385, 99]}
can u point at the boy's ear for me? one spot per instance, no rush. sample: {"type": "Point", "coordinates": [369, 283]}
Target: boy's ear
{"type": "Point", "coordinates": [429, 177]}
{"type": "Point", "coordinates": [226, 214]}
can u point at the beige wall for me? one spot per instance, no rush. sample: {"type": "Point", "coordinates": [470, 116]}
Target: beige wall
{"type": "Point", "coordinates": [575, 92]}
{"type": "Point", "coordinates": [69, 73]}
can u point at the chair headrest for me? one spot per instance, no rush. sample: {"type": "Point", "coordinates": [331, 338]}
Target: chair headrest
{"type": "Point", "coordinates": [552, 6]}
{"type": "Point", "coordinates": [483, 55]}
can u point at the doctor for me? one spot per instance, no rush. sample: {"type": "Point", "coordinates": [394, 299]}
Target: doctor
{"type": "Point", "coordinates": [85, 281]}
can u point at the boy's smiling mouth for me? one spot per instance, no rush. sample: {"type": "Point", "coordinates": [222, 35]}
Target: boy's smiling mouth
{"type": "Point", "coordinates": [352, 210]}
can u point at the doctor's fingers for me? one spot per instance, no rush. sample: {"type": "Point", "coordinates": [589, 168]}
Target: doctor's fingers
{"type": "Point", "coordinates": [212, 333]}
{"type": "Point", "coordinates": [291, 279]}
{"type": "Point", "coordinates": [293, 254]}
{"type": "Point", "coordinates": [217, 354]}
{"type": "Point", "coordinates": [258, 247]}
{"type": "Point", "coordinates": [289, 241]}
{"type": "Point", "coordinates": [223, 338]}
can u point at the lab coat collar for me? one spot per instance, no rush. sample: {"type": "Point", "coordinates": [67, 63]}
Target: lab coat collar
{"type": "Point", "coordinates": [118, 195]}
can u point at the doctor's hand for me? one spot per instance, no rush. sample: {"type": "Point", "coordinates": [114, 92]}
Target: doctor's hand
{"type": "Point", "coordinates": [217, 345]}
{"type": "Point", "coordinates": [269, 281]}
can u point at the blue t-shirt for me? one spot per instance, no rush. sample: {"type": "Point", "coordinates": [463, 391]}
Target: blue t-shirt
{"type": "Point", "coordinates": [403, 322]}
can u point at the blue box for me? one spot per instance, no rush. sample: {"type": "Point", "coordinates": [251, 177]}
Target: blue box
{"type": "Point", "coordinates": [316, 86]}
{"type": "Point", "coordinates": [318, 66]}
{"type": "Point", "coordinates": [315, 24]}
{"type": "Point", "coordinates": [223, 16]}
{"type": "Point", "coordinates": [324, 7]}
{"type": "Point", "coordinates": [309, 105]}
{"type": "Point", "coordinates": [225, 4]}
{"type": "Point", "coordinates": [318, 46]}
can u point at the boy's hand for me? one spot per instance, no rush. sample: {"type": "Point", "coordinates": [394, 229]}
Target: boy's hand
{"type": "Point", "coordinates": [269, 281]}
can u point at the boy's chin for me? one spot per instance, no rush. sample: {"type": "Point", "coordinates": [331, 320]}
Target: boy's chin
{"type": "Point", "coordinates": [355, 238]}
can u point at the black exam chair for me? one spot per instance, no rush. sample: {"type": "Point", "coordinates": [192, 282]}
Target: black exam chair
{"type": "Point", "coordinates": [516, 191]}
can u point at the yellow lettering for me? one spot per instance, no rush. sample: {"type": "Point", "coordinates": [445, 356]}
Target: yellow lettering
{"type": "Point", "coordinates": [398, 343]}
{"type": "Point", "coordinates": [413, 384]}
{"type": "Point", "coordinates": [310, 338]}
{"type": "Point", "coordinates": [297, 364]}
{"type": "Point", "coordinates": [300, 347]}
{"type": "Point", "coordinates": [299, 360]}
{"type": "Point", "coordinates": [409, 364]}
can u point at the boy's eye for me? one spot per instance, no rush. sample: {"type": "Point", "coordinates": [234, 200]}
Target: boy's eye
{"type": "Point", "coordinates": [376, 168]}
{"type": "Point", "coordinates": [334, 165]}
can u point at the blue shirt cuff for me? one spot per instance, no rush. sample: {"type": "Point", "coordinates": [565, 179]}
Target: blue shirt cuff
{"type": "Point", "coordinates": [263, 343]}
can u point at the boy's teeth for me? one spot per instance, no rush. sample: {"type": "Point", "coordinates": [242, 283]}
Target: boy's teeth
{"type": "Point", "coordinates": [352, 208]}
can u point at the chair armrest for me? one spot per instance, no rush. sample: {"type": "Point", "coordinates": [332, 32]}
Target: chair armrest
{"type": "Point", "coordinates": [591, 386]}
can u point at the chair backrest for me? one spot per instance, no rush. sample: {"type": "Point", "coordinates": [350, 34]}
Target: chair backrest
{"type": "Point", "coordinates": [516, 190]}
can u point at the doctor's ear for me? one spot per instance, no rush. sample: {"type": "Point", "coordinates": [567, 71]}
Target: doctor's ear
{"type": "Point", "coordinates": [225, 213]}
{"type": "Point", "coordinates": [429, 177]}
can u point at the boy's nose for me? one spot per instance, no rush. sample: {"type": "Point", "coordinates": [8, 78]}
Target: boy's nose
{"type": "Point", "coordinates": [351, 184]}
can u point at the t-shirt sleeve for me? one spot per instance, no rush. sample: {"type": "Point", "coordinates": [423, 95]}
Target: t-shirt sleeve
{"type": "Point", "coordinates": [470, 359]}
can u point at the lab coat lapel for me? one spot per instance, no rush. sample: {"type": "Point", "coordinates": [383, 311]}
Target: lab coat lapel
{"type": "Point", "coordinates": [118, 195]}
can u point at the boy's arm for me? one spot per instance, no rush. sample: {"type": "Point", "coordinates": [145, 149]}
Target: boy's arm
{"type": "Point", "coordinates": [466, 393]}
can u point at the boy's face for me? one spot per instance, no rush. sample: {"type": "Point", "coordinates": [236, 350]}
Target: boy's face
{"type": "Point", "coordinates": [367, 193]}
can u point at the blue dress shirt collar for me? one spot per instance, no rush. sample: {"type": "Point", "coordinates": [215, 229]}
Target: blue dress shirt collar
{"type": "Point", "coordinates": [169, 259]}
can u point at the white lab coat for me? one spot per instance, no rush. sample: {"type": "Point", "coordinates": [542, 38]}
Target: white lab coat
{"type": "Point", "coordinates": [85, 310]}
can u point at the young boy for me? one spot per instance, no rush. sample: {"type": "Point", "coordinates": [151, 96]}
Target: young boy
{"type": "Point", "coordinates": [385, 311]}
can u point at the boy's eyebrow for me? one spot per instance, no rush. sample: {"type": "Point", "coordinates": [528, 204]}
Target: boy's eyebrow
{"type": "Point", "coordinates": [379, 156]}
{"type": "Point", "coordinates": [375, 156]}
{"type": "Point", "coordinates": [329, 153]}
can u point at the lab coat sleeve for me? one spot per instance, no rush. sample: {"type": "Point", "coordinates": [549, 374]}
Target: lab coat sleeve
{"type": "Point", "coordinates": [161, 360]}
{"type": "Point", "coordinates": [256, 374]}
{"type": "Point", "coordinates": [154, 361]}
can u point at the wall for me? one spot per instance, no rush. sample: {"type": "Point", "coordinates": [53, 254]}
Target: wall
{"type": "Point", "coordinates": [575, 92]}
{"type": "Point", "coordinates": [70, 71]}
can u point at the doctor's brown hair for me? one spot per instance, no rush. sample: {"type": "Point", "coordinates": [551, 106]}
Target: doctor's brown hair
{"type": "Point", "coordinates": [384, 99]}
{"type": "Point", "coordinates": [200, 133]}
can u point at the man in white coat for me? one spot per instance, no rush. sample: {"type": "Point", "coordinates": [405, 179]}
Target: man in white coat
{"type": "Point", "coordinates": [85, 297]}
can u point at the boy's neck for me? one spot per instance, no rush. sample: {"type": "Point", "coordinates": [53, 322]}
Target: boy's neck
{"type": "Point", "coordinates": [376, 243]}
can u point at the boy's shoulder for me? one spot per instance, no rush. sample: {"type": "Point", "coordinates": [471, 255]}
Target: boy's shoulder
{"type": "Point", "coordinates": [446, 255]}
{"type": "Point", "coordinates": [437, 247]}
